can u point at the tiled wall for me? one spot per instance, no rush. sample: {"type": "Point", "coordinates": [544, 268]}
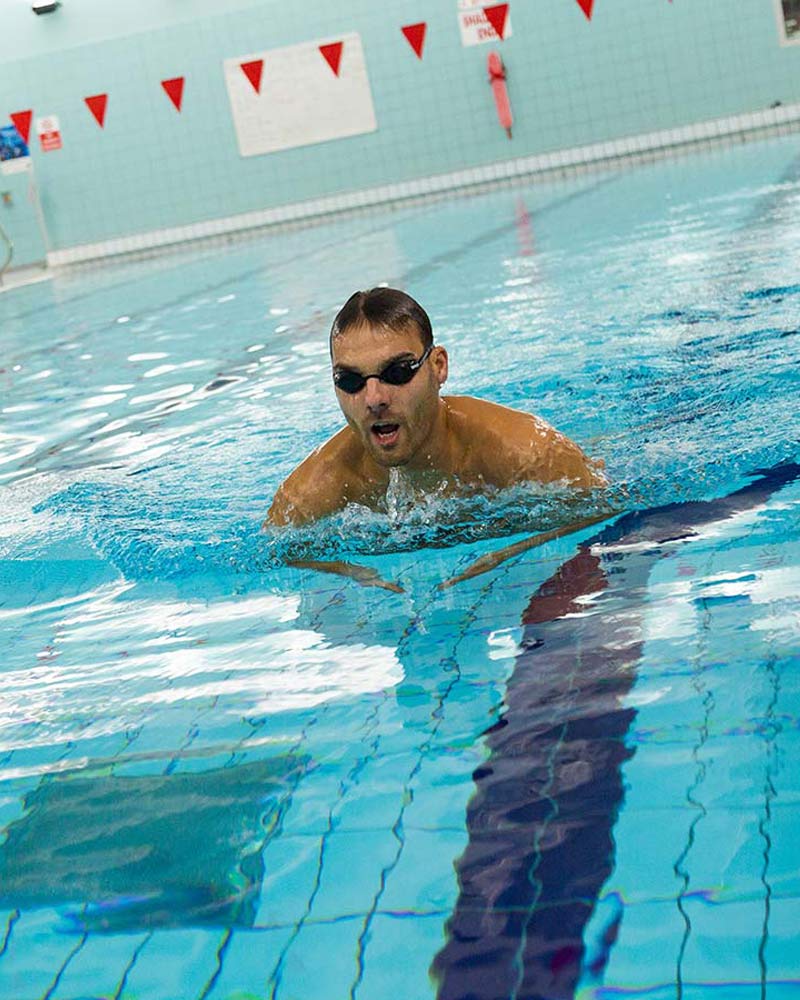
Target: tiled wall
{"type": "Point", "coordinates": [633, 68]}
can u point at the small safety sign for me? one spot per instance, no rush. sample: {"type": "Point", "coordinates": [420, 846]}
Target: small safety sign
{"type": "Point", "coordinates": [49, 133]}
{"type": "Point", "coordinates": [483, 22]}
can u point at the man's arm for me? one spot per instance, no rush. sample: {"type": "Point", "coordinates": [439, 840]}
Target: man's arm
{"type": "Point", "coordinates": [320, 485]}
{"type": "Point", "coordinates": [311, 492]}
{"type": "Point", "coordinates": [516, 448]}
{"type": "Point", "coordinates": [562, 461]}
{"type": "Point", "coordinates": [293, 507]}
{"type": "Point", "coordinates": [554, 458]}
{"type": "Point", "coordinates": [493, 559]}
{"type": "Point", "coordinates": [286, 511]}
{"type": "Point", "coordinates": [365, 575]}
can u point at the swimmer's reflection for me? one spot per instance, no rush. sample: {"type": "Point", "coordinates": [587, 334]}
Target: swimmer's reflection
{"type": "Point", "coordinates": [138, 852]}
{"type": "Point", "coordinates": [541, 818]}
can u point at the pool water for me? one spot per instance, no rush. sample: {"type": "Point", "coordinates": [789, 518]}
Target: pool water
{"type": "Point", "coordinates": [571, 776]}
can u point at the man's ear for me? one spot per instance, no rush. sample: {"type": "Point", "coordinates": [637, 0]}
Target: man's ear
{"type": "Point", "coordinates": [440, 364]}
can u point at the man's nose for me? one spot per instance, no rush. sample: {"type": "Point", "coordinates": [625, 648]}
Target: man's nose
{"type": "Point", "coordinates": [376, 395]}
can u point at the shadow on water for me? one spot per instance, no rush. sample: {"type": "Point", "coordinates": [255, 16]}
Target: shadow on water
{"type": "Point", "coordinates": [541, 818]}
{"type": "Point", "coordinates": [130, 853]}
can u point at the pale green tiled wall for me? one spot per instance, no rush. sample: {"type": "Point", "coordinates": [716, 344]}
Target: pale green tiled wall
{"type": "Point", "coordinates": [19, 222]}
{"type": "Point", "coordinates": [636, 67]}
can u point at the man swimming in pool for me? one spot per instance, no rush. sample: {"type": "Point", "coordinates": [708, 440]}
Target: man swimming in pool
{"type": "Point", "coordinates": [388, 375]}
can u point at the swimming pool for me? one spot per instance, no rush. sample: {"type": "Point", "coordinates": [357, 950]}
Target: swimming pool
{"type": "Point", "coordinates": [571, 776]}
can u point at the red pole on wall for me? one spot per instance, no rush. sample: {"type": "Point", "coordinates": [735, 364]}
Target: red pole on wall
{"type": "Point", "coordinates": [497, 78]}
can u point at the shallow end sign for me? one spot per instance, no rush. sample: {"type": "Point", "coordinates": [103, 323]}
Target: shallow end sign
{"type": "Point", "coordinates": [476, 28]}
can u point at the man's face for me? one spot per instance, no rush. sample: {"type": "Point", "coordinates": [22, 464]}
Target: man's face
{"type": "Point", "coordinates": [394, 422]}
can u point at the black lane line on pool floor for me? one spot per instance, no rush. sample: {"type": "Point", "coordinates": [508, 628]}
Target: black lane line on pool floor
{"type": "Point", "coordinates": [517, 929]}
{"type": "Point", "coordinates": [774, 728]}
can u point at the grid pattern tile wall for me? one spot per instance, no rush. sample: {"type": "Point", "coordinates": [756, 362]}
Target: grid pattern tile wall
{"type": "Point", "coordinates": [573, 81]}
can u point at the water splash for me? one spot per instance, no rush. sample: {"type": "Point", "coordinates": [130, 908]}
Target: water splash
{"type": "Point", "coordinates": [147, 534]}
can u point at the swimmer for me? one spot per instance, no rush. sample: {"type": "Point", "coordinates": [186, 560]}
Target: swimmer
{"type": "Point", "coordinates": [388, 375]}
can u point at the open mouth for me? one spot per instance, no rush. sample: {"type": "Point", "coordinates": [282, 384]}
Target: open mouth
{"type": "Point", "coordinates": [385, 434]}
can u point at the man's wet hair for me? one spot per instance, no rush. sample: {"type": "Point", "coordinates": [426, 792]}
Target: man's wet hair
{"type": "Point", "coordinates": [383, 307]}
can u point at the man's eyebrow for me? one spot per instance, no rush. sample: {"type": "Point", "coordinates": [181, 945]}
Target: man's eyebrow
{"type": "Point", "coordinates": [402, 356]}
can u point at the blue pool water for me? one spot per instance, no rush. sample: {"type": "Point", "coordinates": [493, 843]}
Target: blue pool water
{"type": "Point", "coordinates": [572, 776]}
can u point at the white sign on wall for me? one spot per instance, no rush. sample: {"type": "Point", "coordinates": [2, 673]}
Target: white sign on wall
{"type": "Point", "coordinates": [299, 95]}
{"type": "Point", "coordinates": [49, 131]}
{"type": "Point", "coordinates": [476, 29]}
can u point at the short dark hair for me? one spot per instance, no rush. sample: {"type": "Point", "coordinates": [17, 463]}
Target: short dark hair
{"type": "Point", "coordinates": [383, 307]}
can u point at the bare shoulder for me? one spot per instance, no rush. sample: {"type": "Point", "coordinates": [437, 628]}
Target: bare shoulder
{"type": "Point", "coordinates": [323, 483]}
{"type": "Point", "coordinates": [483, 413]}
{"type": "Point", "coordinates": [508, 446]}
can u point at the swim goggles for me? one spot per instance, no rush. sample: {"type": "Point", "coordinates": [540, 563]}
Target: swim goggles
{"type": "Point", "coordinates": [395, 373]}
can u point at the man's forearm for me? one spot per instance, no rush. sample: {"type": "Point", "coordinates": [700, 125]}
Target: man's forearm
{"type": "Point", "coordinates": [365, 575]}
{"type": "Point", "coordinates": [493, 559]}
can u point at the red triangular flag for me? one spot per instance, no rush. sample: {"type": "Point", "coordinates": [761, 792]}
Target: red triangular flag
{"type": "Point", "coordinates": [497, 17]}
{"type": "Point", "coordinates": [174, 90]}
{"type": "Point", "coordinates": [415, 35]}
{"type": "Point", "coordinates": [586, 7]}
{"type": "Point", "coordinates": [333, 55]}
{"type": "Point", "coordinates": [22, 123]}
{"type": "Point", "coordinates": [97, 105]}
{"type": "Point", "coordinates": [253, 70]}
